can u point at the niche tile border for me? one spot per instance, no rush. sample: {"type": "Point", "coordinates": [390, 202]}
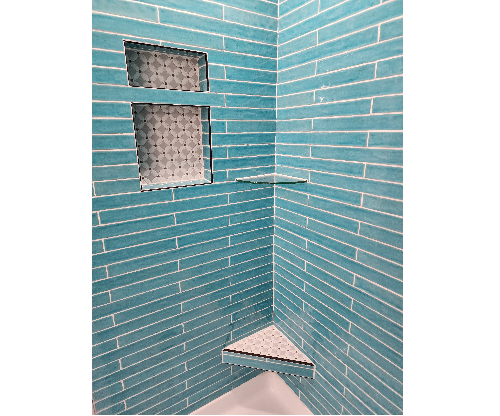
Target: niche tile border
{"type": "Point", "coordinates": [184, 183]}
{"type": "Point", "coordinates": [150, 47]}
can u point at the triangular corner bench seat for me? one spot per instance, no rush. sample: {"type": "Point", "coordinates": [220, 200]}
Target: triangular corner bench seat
{"type": "Point", "coordinates": [268, 349]}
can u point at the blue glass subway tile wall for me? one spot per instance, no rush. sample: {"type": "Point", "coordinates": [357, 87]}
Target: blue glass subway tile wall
{"type": "Point", "coordinates": [338, 238]}
{"type": "Point", "coordinates": [180, 273]}
{"type": "Point", "coordinates": [309, 89]}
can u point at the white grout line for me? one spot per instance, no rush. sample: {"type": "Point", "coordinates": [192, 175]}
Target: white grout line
{"type": "Point", "coordinates": [112, 134]}
{"type": "Point", "coordinates": [315, 16]}
{"type": "Point", "coordinates": [292, 10]}
{"type": "Point", "coordinates": [340, 69]}
{"type": "Point", "coordinates": [319, 44]}
{"type": "Point", "coordinates": [113, 68]}
{"type": "Point", "coordinates": [327, 89]}
{"type": "Point", "coordinates": [161, 42]}
{"type": "Point", "coordinates": [190, 13]}
{"type": "Point", "coordinates": [349, 190]}
{"type": "Point", "coordinates": [248, 11]}
{"type": "Point", "coordinates": [300, 307]}
{"type": "Point", "coordinates": [337, 21]}
{"type": "Point", "coordinates": [164, 202]}
{"type": "Point", "coordinates": [107, 50]}
{"type": "Point", "coordinates": [246, 82]}
{"type": "Point", "coordinates": [316, 104]}
{"type": "Point", "coordinates": [211, 92]}
{"type": "Point", "coordinates": [329, 118]}
{"type": "Point", "coordinates": [113, 180]}
{"type": "Point", "coordinates": [113, 150]}
{"type": "Point", "coordinates": [344, 160]}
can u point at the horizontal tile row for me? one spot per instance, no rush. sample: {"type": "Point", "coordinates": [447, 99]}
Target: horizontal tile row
{"type": "Point", "coordinates": [296, 156]}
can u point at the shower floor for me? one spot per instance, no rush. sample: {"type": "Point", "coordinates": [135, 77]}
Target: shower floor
{"type": "Point", "coordinates": [266, 394]}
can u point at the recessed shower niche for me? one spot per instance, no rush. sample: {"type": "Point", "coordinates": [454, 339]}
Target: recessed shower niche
{"type": "Point", "coordinates": [173, 145]}
{"type": "Point", "coordinates": [173, 140]}
{"type": "Point", "coordinates": [152, 66]}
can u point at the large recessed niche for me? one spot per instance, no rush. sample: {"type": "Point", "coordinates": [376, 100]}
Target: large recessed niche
{"type": "Point", "coordinates": [152, 66]}
{"type": "Point", "coordinates": [173, 145]}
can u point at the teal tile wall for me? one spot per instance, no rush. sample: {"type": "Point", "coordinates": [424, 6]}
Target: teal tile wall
{"type": "Point", "coordinates": [311, 89]}
{"type": "Point", "coordinates": [180, 273]}
{"type": "Point", "coordinates": [338, 238]}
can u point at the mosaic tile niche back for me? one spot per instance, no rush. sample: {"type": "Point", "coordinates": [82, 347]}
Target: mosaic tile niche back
{"type": "Point", "coordinates": [150, 66]}
{"type": "Point", "coordinates": [170, 145]}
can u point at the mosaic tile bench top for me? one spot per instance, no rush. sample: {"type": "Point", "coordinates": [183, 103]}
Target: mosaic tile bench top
{"type": "Point", "coordinates": [269, 349]}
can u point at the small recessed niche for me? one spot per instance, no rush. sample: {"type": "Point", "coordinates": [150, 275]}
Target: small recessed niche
{"type": "Point", "coordinates": [173, 145]}
{"type": "Point", "coordinates": [153, 66]}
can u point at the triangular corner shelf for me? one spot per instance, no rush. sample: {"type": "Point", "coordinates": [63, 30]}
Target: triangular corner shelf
{"type": "Point", "coordinates": [272, 179]}
{"type": "Point", "coordinates": [268, 349]}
